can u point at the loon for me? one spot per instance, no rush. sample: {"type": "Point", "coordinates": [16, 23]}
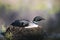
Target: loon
{"type": "Point", "coordinates": [26, 23]}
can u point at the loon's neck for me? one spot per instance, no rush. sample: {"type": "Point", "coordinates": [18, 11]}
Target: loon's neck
{"type": "Point", "coordinates": [32, 25]}
{"type": "Point", "coordinates": [35, 22]}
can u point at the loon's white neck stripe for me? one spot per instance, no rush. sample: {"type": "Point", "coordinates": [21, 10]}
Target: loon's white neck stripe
{"type": "Point", "coordinates": [32, 25]}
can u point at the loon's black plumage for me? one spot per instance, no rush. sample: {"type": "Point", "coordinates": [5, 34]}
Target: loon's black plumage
{"type": "Point", "coordinates": [20, 23]}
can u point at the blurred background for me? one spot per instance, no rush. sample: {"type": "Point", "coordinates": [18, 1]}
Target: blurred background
{"type": "Point", "coordinates": [11, 10]}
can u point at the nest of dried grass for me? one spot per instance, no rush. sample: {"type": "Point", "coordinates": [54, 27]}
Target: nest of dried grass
{"type": "Point", "coordinates": [20, 33]}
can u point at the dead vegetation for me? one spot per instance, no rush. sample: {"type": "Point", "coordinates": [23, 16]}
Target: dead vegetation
{"type": "Point", "coordinates": [20, 33]}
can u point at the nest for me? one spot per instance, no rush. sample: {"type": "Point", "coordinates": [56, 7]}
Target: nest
{"type": "Point", "coordinates": [21, 33]}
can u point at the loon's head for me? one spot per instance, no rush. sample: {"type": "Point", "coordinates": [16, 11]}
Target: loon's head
{"type": "Point", "coordinates": [37, 19]}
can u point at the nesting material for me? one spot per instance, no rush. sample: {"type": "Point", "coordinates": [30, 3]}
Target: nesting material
{"type": "Point", "coordinates": [22, 33]}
